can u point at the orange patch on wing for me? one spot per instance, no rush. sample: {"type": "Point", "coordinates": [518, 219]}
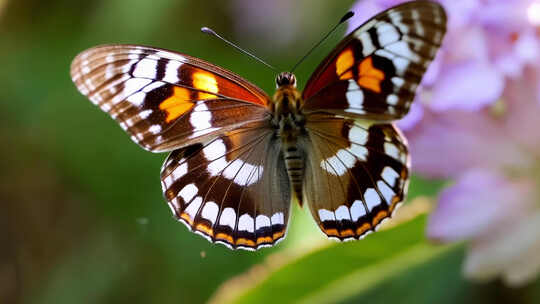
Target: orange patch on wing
{"type": "Point", "coordinates": [347, 75]}
{"type": "Point", "coordinates": [205, 229]}
{"type": "Point", "coordinates": [225, 237]}
{"type": "Point", "coordinates": [179, 103]}
{"type": "Point", "coordinates": [206, 82]}
{"type": "Point", "coordinates": [344, 63]}
{"type": "Point", "coordinates": [187, 218]}
{"type": "Point", "coordinates": [330, 232]}
{"type": "Point", "coordinates": [346, 233]}
{"type": "Point", "coordinates": [278, 234]}
{"type": "Point", "coordinates": [362, 229]}
{"type": "Point", "coordinates": [379, 217]}
{"type": "Point", "coordinates": [246, 242]}
{"type": "Point", "coordinates": [264, 240]}
{"type": "Point", "coordinates": [369, 77]}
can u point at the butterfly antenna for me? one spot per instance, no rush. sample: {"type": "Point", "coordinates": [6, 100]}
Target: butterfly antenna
{"type": "Point", "coordinates": [345, 17]}
{"type": "Point", "coordinates": [211, 32]}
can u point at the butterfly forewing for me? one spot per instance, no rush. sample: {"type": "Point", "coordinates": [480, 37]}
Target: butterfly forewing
{"type": "Point", "coordinates": [374, 72]}
{"type": "Point", "coordinates": [165, 100]}
{"type": "Point", "coordinates": [233, 189]}
{"type": "Point", "coordinates": [357, 174]}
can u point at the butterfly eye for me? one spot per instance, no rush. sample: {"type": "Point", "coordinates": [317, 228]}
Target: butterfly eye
{"type": "Point", "coordinates": [286, 79]}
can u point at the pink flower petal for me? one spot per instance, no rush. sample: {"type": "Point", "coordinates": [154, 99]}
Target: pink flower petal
{"type": "Point", "coordinates": [413, 117]}
{"type": "Point", "coordinates": [434, 69]}
{"type": "Point", "coordinates": [522, 110]}
{"type": "Point", "coordinates": [466, 44]}
{"type": "Point", "coordinates": [504, 16]}
{"type": "Point", "coordinates": [510, 252]}
{"type": "Point", "coordinates": [444, 145]}
{"type": "Point", "coordinates": [468, 86]}
{"type": "Point", "coordinates": [509, 65]}
{"type": "Point", "coordinates": [459, 12]}
{"type": "Point", "coordinates": [479, 202]}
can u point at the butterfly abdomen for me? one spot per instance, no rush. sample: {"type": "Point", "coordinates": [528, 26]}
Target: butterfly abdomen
{"type": "Point", "coordinates": [289, 121]}
{"type": "Point", "coordinates": [294, 162]}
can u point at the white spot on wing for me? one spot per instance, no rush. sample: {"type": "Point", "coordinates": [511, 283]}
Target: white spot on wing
{"type": "Point", "coordinates": [215, 150]}
{"type": "Point", "coordinates": [131, 86]}
{"type": "Point", "coordinates": [177, 173]}
{"type": "Point", "coordinates": [372, 198]}
{"type": "Point", "coordinates": [358, 135]}
{"type": "Point", "coordinates": [146, 68]}
{"type": "Point", "coordinates": [171, 72]}
{"type": "Point", "coordinates": [326, 215]}
{"type": "Point", "coordinates": [357, 210]}
{"type": "Point", "coordinates": [392, 99]}
{"type": "Point", "coordinates": [144, 114]}
{"type": "Point", "coordinates": [241, 172]}
{"type": "Point", "coordinates": [390, 176]}
{"type": "Point", "coordinates": [355, 95]}
{"type": "Point", "coordinates": [360, 152]}
{"type": "Point", "coordinates": [278, 218]}
{"type": "Point", "coordinates": [262, 221]}
{"type": "Point", "coordinates": [194, 206]}
{"type": "Point", "coordinates": [228, 217]}
{"type": "Point", "coordinates": [210, 211]}
{"type": "Point", "coordinates": [398, 81]}
{"type": "Point", "coordinates": [386, 191]}
{"type": "Point", "coordinates": [401, 65]}
{"type": "Point", "coordinates": [387, 33]}
{"type": "Point", "coordinates": [245, 223]}
{"type": "Point", "coordinates": [155, 129]}
{"type": "Point", "coordinates": [391, 150]}
{"type": "Point", "coordinates": [367, 45]}
{"type": "Point", "coordinates": [339, 163]}
{"type": "Point", "coordinates": [180, 171]}
{"type": "Point", "coordinates": [154, 85]}
{"type": "Point", "coordinates": [342, 213]}
{"type": "Point", "coordinates": [188, 192]}
{"type": "Point", "coordinates": [200, 118]}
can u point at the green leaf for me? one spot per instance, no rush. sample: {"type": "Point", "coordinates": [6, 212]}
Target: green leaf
{"type": "Point", "coordinates": [340, 271]}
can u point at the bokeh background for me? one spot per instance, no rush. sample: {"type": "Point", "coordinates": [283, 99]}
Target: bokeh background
{"type": "Point", "coordinates": [83, 219]}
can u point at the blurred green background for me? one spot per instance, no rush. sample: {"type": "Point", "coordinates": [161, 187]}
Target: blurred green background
{"type": "Point", "coordinates": [83, 217]}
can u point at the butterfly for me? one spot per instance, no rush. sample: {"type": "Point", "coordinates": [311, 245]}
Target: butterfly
{"type": "Point", "coordinates": [239, 158]}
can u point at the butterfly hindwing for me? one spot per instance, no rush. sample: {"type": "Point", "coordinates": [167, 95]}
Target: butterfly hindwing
{"type": "Point", "coordinates": [374, 72]}
{"type": "Point", "coordinates": [357, 173]}
{"type": "Point", "coordinates": [233, 189]}
{"type": "Point", "coordinates": [165, 100]}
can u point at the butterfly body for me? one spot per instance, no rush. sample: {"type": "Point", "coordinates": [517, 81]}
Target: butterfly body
{"type": "Point", "coordinates": [239, 157]}
{"type": "Point", "coordinates": [288, 121]}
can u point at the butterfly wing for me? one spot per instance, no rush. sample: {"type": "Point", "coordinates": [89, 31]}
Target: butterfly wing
{"type": "Point", "coordinates": [358, 173]}
{"type": "Point", "coordinates": [232, 190]}
{"type": "Point", "coordinates": [375, 71]}
{"type": "Point", "coordinates": [166, 100]}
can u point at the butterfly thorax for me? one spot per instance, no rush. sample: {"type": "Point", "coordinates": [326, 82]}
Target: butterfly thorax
{"type": "Point", "coordinates": [288, 121]}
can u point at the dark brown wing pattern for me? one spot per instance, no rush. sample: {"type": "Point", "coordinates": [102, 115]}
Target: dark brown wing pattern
{"type": "Point", "coordinates": [357, 173]}
{"type": "Point", "coordinates": [232, 190]}
{"type": "Point", "coordinates": [165, 100]}
{"type": "Point", "coordinates": [374, 72]}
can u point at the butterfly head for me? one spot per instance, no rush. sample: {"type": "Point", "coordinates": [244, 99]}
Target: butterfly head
{"type": "Point", "coordinates": [286, 79]}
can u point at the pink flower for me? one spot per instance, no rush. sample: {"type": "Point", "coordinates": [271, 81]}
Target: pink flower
{"type": "Point", "coordinates": [494, 155]}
